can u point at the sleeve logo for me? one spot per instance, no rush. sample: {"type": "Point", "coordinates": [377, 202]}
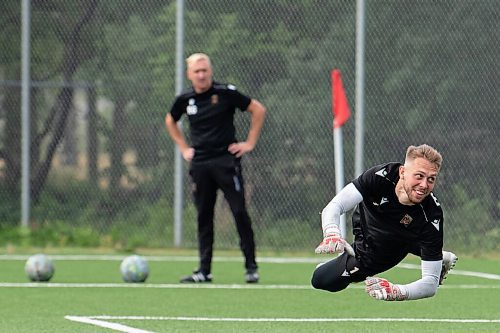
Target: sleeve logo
{"type": "Point", "coordinates": [435, 223]}
{"type": "Point", "coordinates": [435, 199]}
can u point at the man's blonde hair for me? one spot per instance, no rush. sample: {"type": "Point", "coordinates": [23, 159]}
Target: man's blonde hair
{"type": "Point", "coordinates": [424, 151]}
{"type": "Point", "coordinates": [197, 56]}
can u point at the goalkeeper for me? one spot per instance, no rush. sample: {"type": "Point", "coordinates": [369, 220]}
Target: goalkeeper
{"type": "Point", "coordinates": [396, 214]}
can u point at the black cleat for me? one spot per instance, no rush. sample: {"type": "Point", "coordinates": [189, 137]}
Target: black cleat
{"type": "Point", "coordinates": [251, 276]}
{"type": "Point", "coordinates": [197, 277]}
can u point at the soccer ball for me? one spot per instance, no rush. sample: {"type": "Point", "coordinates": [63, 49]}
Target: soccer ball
{"type": "Point", "coordinates": [39, 268]}
{"type": "Point", "coordinates": [134, 269]}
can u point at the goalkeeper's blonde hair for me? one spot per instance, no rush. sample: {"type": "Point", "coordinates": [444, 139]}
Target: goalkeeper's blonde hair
{"type": "Point", "coordinates": [424, 151]}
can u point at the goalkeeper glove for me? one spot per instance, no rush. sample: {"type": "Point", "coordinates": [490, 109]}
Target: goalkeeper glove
{"type": "Point", "coordinates": [333, 242]}
{"type": "Point", "coordinates": [382, 289]}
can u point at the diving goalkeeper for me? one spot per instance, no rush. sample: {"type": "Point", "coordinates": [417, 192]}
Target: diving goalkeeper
{"type": "Point", "coordinates": [396, 214]}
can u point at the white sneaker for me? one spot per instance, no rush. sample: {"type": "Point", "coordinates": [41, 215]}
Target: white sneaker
{"type": "Point", "coordinates": [449, 261]}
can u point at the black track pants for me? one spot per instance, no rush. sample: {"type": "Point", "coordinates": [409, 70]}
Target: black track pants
{"type": "Point", "coordinates": [207, 179]}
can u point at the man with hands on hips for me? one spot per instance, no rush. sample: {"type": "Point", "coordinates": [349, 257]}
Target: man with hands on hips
{"type": "Point", "coordinates": [215, 158]}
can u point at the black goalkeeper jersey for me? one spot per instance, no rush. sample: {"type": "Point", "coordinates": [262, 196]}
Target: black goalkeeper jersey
{"type": "Point", "coordinates": [211, 118]}
{"type": "Point", "coordinates": [385, 230]}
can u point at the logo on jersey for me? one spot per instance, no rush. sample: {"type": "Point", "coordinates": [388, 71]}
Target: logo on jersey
{"type": "Point", "coordinates": [214, 99]}
{"type": "Point", "coordinates": [406, 220]}
{"type": "Point", "coordinates": [191, 109]}
{"type": "Point", "coordinates": [435, 199]}
{"type": "Point", "coordinates": [381, 173]}
{"type": "Point", "coordinates": [435, 223]}
{"type": "Point", "coordinates": [382, 201]}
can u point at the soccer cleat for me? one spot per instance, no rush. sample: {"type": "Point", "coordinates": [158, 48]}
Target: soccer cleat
{"type": "Point", "coordinates": [251, 276]}
{"type": "Point", "coordinates": [449, 261]}
{"type": "Point", "coordinates": [197, 277]}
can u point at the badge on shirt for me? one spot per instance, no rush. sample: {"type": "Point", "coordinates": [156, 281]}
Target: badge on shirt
{"type": "Point", "coordinates": [214, 99]}
{"type": "Point", "coordinates": [191, 109]}
{"type": "Point", "coordinates": [406, 220]}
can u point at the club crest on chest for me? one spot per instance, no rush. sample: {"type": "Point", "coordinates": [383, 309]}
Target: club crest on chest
{"type": "Point", "coordinates": [214, 99]}
{"type": "Point", "coordinates": [406, 220]}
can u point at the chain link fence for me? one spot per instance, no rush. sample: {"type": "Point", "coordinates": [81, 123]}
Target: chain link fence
{"type": "Point", "coordinates": [103, 78]}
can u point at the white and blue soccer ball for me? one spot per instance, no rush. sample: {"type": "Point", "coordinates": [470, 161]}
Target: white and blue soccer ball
{"type": "Point", "coordinates": [134, 269]}
{"type": "Point", "coordinates": [39, 268]}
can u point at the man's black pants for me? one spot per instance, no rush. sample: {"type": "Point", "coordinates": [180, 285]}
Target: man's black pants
{"type": "Point", "coordinates": [207, 179]}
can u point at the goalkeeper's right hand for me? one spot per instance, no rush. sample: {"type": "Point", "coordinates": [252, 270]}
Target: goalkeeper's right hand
{"type": "Point", "coordinates": [333, 243]}
{"type": "Point", "coordinates": [382, 289]}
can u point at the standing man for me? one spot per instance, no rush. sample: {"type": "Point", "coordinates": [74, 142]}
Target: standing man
{"type": "Point", "coordinates": [215, 157]}
{"type": "Point", "coordinates": [396, 214]}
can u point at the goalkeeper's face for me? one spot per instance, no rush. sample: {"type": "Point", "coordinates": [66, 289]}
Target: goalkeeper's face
{"type": "Point", "coordinates": [419, 177]}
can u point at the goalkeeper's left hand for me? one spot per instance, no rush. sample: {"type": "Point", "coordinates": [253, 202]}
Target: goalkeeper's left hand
{"type": "Point", "coordinates": [382, 289]}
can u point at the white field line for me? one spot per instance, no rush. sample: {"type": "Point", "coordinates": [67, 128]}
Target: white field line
{"type": "Point", "coordinates": [204, 286]}
{"type": "Point", "coordinates": [274, 260]}
{"type": "Point", "coordinates": [106, 324]}
{"type": "Point", "coordinates": [101, 320]}
{"type": "Point", "coordinates": [438, 320]}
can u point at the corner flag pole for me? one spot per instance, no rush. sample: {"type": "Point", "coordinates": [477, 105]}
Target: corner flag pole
{"type": "Point", "coordinates": [341, 113]}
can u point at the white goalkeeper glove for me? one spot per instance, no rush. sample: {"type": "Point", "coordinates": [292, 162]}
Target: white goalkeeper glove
{"type": "Point", "coordinates": [333, 243]}
{"type": "Point", "coordinates": [382, 289]}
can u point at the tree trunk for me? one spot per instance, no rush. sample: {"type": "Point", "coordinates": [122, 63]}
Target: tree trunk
{"type": "Point", "coordinates": [118, 144]}
{"type": "Point", "coordinates": [70, 63]}
{"type": "Point", "coordinates": [64, 106]}
{"type": "Point", "coordinates": [92, 143]}
{"type": "Point", "coordinates": [69, 145]}
{"type": "Point", "coordinates": [13, 135]}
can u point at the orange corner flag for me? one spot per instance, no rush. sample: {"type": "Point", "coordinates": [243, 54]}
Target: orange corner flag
{"type": "Point", "coordinates": [340, 107]}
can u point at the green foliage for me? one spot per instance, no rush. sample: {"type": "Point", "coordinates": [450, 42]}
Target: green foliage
{"type": "Point", "coordinates": [427, 79]}
{"type": "Point", "coordinates": [53, 234]}
{"type": "Point", "coordinates": [272, 237]}
{"type": "Point", "coordinates": [86, 217]}
{"type": "Point", "coordinates": [10, 212]}
{"type": "Point", "coordinates": [473, 214]}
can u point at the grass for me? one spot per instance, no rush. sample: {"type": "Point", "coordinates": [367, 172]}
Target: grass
{"type": "Point", "coordinates": [91, 286]}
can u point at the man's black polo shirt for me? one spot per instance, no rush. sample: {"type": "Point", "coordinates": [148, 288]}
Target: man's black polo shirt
{"type": "Point", "coordinates": [211, 118]}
